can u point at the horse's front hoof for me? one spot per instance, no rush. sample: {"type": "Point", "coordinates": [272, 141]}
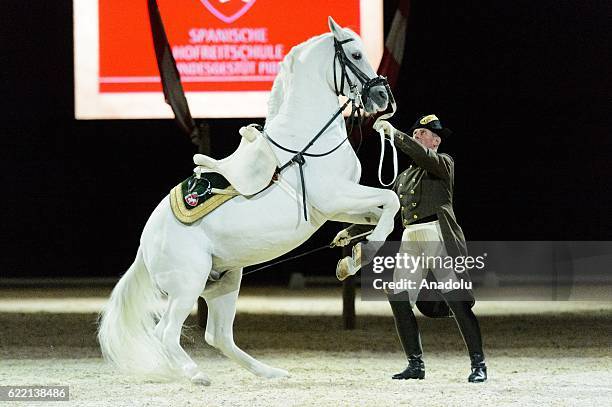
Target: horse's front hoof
{"type": "Point", "coordinates": [200, 379]}
{"type": "Point", "coordinates": [346, 267]}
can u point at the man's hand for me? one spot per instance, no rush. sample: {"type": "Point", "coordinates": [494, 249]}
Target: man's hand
{"type": "Point", "coordinates": [342, 239]}
{"type": "Point", "coordinates": [385, 126]}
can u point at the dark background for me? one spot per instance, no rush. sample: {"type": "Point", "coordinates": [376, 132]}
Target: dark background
{"type": "Point", "coordinates": [524, 85]}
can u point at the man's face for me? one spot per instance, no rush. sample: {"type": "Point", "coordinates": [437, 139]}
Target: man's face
{"type": "Point", "coordinates": [427, 138]}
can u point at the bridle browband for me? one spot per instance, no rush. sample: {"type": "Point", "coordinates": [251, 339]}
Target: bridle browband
{"type": "Point", "coordinates": [357, 104]}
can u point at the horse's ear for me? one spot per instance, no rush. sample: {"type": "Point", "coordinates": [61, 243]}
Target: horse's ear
{"type": "Point", "coordinates": [334, 28]}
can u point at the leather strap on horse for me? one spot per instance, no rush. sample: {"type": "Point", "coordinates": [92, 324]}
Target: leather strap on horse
{"type": "Point", "coordinates": [367, 84]}
{"type": "Point", "coordinates": [298, 158]}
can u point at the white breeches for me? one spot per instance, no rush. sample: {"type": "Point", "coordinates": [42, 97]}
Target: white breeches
{"type": "Point", "coordinates": [423, 245]}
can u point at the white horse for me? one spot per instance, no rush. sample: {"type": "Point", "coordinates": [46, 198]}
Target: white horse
{"type": "Point", "coordinates": [176, 259]}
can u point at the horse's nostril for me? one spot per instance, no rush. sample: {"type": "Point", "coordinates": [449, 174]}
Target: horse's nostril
{"type": "Point", "coordinates": [382, 94]}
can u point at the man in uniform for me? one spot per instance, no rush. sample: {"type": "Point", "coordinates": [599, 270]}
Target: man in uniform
{"type": "Point", "coordinates": [425, 191]}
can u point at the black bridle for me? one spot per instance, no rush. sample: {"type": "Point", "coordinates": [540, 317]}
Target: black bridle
{"type": "Point", "coordinates": [354, 98]}
{"type": "Point", "coordinates": [345, 62]}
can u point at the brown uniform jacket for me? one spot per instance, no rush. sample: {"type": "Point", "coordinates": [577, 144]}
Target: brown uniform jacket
{"type": "Point", "coordinates": [425, 189]}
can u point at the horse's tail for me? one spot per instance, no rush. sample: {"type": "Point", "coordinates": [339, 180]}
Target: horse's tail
{"type": "Point", "coordinates": [127, 324]}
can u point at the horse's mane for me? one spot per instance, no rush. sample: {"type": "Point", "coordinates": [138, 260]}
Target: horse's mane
{"type": "Point", "coordinates": [282, 81]}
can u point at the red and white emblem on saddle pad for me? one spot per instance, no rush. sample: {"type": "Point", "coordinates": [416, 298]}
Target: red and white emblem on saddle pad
{"type": "Point", "coordinates": [192, 199]}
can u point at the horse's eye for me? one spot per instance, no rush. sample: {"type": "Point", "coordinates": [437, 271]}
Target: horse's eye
{"type": "Point", "coordinates": [356, 55]}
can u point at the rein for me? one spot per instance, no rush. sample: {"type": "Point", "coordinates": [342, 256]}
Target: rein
{"type": "Point", "coordinates": [381, 132]}
{"type": "Point", "coordinates": [357, 104]}
{"type": "Point", "coordinates": [299, 159]}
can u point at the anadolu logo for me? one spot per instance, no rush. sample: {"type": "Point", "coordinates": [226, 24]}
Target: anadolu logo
{"type": "Point", "coordinates": [228, 10]}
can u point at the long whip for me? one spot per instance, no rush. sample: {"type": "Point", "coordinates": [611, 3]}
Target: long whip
{"type": "Point", "coordinates": [297, 256]}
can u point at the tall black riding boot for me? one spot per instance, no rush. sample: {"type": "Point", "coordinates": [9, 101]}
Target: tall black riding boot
{"type": "Point", "coordinates": [470, 330]}
{"type": "Point", "coordinates": [408, 332]}
{"type": "Point", "coordinates": [479, 369]}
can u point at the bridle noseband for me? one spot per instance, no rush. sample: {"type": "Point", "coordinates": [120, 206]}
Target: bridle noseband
{"type": "Point", "coordinates": [354, 98]}
{"type": "Point", "coordinates": [345, 62]}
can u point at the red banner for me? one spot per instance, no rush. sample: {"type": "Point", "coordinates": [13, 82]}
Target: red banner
{"type": "Point", "coordinates": [219, 45]}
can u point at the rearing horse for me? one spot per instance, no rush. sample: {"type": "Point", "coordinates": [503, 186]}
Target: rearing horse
{"type": "Point", "coordinates": [176, 259]}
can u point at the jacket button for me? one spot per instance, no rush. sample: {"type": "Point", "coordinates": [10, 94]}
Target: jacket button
{"type": "Point", "coordinates": [400, 185]}
{"type": "Point", "coordinates": [415, 216]}
{"type": "Point", "coordinates": [412, 191]}
{"type": "Point", "coordinates": [401, 195]}
{"type": "Point", "coordinates": [405, 223]}
{"type": "Point", "coordinates": [414, 204]}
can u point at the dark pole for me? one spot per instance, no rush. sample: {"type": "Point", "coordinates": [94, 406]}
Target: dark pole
{"type": "Point", "coordinates": [348, 294]}
{"type": "Point", "coordinates": [348, 303]}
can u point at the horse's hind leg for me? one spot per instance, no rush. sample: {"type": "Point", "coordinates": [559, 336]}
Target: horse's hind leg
{"type": "Point", "coordinates": [220, 334]}
{"type": "Point", "coordinates": [183, 290]}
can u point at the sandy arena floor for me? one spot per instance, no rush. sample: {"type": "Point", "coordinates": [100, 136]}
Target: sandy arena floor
{"type": "Point", "coordinates": [538, 354]}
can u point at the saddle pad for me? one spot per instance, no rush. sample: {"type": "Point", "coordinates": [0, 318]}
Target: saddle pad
{"type": "Point", "coordinates": [193, 199]}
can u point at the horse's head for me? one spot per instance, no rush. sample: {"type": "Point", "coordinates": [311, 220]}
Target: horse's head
{"type": "Point", "coordinates": [352, 72]}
